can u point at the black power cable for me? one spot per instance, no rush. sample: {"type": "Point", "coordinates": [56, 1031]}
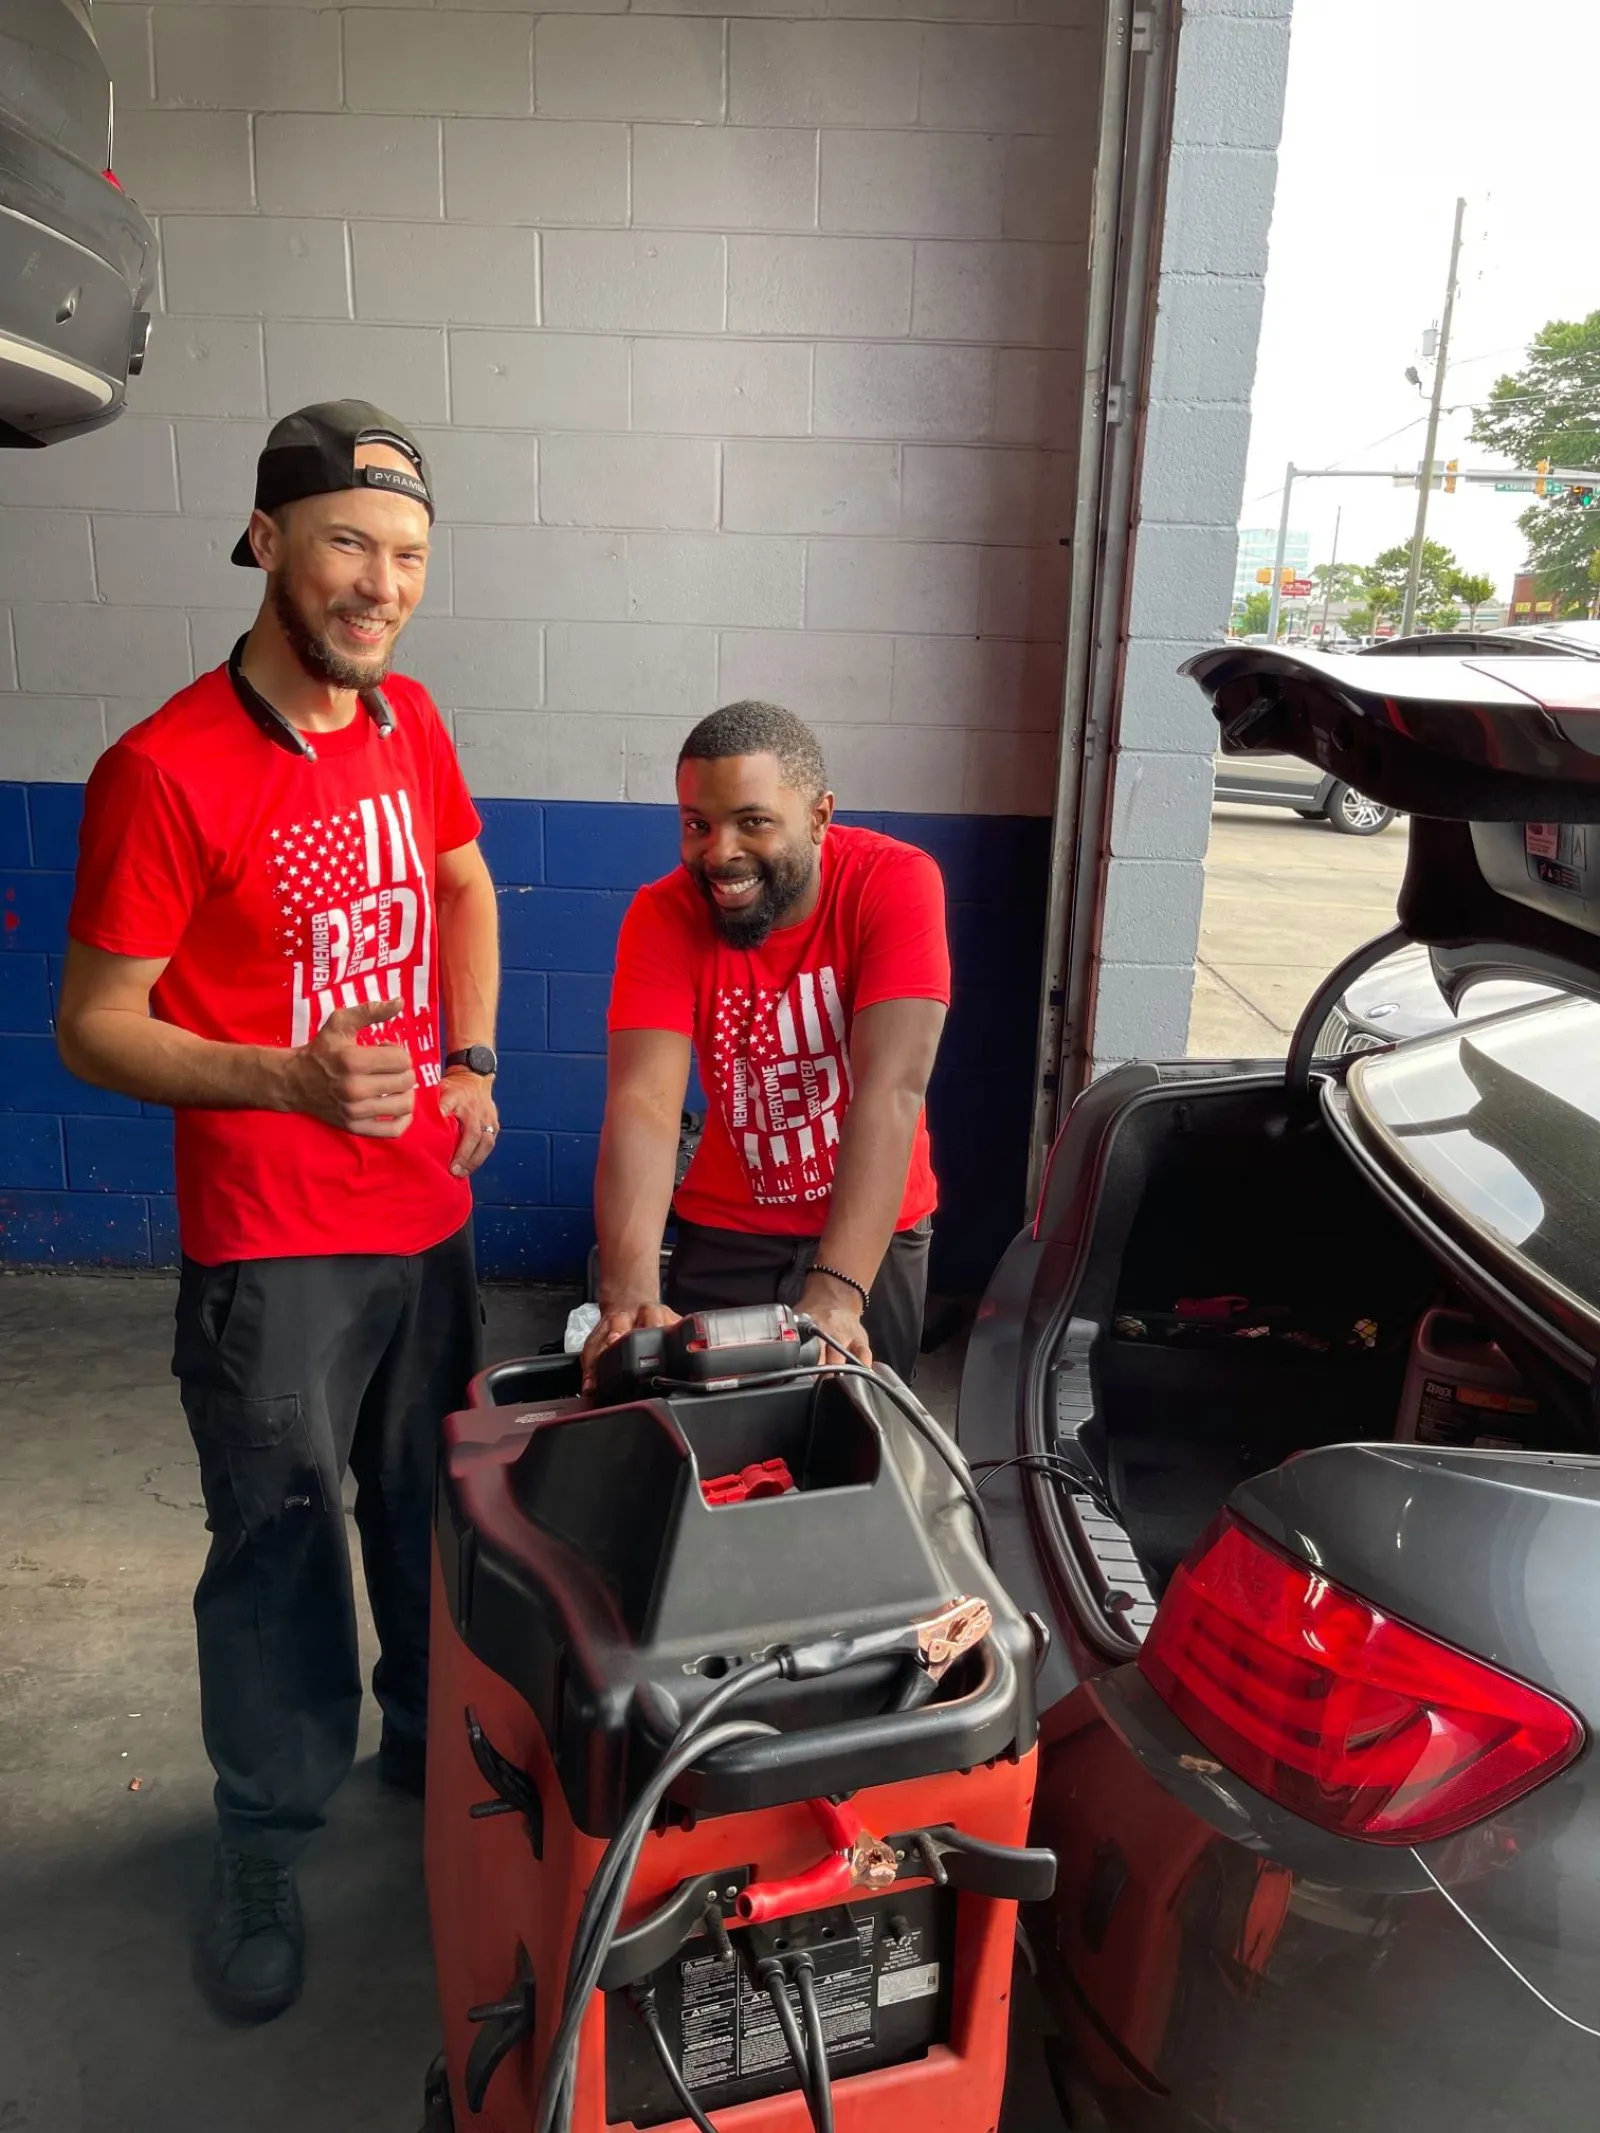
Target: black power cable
{"type": "Point", "coordinates": [644, 2002]}
{"type": "Point", "coordinates": [700, 1735]}
{"type": "Point", "coordinates": [1055, 1468]}
{"type": "Point", "coordinates": [775, 1984]}
{"type": "Point", "coordinates": [602, 1908]}
{"type": "Point", "coordinates": [821, 2091]}
{"type": "Point", "coordinates": [925, 1426]}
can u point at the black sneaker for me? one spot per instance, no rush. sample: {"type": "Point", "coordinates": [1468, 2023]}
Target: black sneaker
{"type": "Point", "coordinates": [252, 1948]}
{"type": "Point", "coordinates": [403, 1763]}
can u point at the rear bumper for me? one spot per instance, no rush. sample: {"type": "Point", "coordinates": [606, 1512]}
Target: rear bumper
{"type": "Point", "coordinates": [1217, 1964]}
{"type": "Point", "coordinates": [77, 261]}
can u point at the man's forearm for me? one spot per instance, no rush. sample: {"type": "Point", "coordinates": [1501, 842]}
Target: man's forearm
{"type": "Point", "coordinates": [115, 1048]}
{"type": "Point", "coordinates": [469, 963]}
{"type": "Point", "coordinates": [632, 1199]}
{"type": "Point", "coordinates": [869, 1181]}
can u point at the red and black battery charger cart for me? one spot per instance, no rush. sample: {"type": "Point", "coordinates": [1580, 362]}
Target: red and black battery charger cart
{"type": "Point", "coordinates": [731, 1750]}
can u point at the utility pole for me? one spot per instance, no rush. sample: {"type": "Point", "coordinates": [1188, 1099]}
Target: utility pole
{"type": "Point", "coordinates": [1333, 572]}
{"type": "Point", "coordinates": [1408, 614]}
{"type": "Point", "coordinates": [1276, 601]}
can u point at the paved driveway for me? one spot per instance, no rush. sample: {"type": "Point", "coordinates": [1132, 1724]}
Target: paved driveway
{"type": "Point", "coordinates": [1285, 899]}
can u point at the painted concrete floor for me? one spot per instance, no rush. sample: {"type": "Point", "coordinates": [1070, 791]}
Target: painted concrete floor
{"type": "Point", "coordinates": [105, 1815]}
{"type": "Point", "coordinates": [1284, 900]}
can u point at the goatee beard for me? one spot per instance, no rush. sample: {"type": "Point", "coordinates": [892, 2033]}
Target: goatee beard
{"type": "Point", "coordinates": [316, 654]}
{"type": "Point", "coordinates": [783, 883]}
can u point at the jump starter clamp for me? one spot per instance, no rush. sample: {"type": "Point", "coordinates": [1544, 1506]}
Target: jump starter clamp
{"type": "Point", "coordinates": [755, 1724]}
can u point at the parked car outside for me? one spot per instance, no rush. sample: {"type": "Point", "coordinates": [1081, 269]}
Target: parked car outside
{"type": "Point", "coordinates": [1321, 1678]}
{"type": "Point", "coordinates": [77, 259]}
{"type": "Point", "coordinates": [1284, 781]}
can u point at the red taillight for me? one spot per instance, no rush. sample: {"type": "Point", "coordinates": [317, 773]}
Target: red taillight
{"type": "Point", "coordinates": [1337, 1712]}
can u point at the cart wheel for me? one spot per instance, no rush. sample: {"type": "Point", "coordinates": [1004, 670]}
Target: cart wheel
{"type": "Point", "coordinates": [437, 2114]}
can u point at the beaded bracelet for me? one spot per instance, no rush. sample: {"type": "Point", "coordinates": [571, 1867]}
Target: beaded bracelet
{"type": "Point", "coordinates": [849, 1280]}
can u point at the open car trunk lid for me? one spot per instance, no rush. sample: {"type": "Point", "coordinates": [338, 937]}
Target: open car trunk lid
{"type": "Point", "coordinates": [1496, 760]}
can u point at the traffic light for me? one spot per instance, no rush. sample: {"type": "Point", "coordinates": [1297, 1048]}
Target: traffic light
{"type": "Point", "coordinates": [1543, 468]}
{"type": "Point", "coordinates": [1452, 467]}
{"type": "Point", "coordinates": [1264, 575]}
{"type": "Point", "coordinates": [1583, 495]}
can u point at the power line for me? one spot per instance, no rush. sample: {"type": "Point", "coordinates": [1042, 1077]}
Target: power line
{"type": "Point", "coordinates": [1352, 453]}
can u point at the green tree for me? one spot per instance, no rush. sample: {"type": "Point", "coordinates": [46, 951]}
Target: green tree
{"type": "Point", "coordinates": [1473, 590]}
{"type": "Point", "coordinates": [1550, 409]}
{"type": "Point", "coordinates": [1594, 580]}
{"type": "Point", "coordinates": [1383, 582]}
{"type": "Point", "coordinates": [1443, 619]}
{"type": "Point", "coordinates": [1337, 581]}
{"type": "Point", "coordinates": [1379, 599]}
{"type": "Point", "coordinates": [1252, 616]}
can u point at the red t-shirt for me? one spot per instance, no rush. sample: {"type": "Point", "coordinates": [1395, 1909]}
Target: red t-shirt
{"type": "Point", "coordinates": [281, 888]}
{"type": "Point", "coordinates": [771, 1025]}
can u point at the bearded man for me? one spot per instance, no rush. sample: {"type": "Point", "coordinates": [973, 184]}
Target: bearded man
{"type": "Point", "coordinates": [806, 965]}
{"type": "Point", "coordinates": [278, 879]}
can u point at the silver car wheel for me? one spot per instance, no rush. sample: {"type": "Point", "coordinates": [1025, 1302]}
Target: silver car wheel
{"type": "Point", "coordinates": [1360, 814]}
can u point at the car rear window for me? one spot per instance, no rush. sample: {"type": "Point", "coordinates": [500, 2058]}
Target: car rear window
{"type": "Point", "coordinates": [1501, 1124]}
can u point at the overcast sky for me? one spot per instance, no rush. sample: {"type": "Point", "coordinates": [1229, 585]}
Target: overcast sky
{"type": "Point", "coordinates": [1396, 107]}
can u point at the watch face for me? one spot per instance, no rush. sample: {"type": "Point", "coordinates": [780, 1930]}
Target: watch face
{"type": "Point", "coordinates": [477, 1059]}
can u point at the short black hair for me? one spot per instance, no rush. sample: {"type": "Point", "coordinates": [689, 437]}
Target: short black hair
{"type": "Point", "coordinates": [752, 728]}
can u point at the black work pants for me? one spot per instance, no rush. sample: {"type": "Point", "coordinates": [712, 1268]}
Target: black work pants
{"type": "Point", "coordinates": [290, 1371]}
{"type": "Point", "coordinates": [711, 1269]}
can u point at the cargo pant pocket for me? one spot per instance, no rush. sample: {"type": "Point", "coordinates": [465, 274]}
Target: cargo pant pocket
{"type": "Point", "coordinates": [256, 1458]}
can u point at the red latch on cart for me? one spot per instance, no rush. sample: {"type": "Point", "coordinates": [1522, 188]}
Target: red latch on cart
{"type": "Point", "coordinates": [767, 1477]}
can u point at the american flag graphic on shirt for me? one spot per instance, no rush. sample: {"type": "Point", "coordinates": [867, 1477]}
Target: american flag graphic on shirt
{"type": "Point", "coordinates": [782, 1069]}
{"type": "Point", "coordinates": [356, 921]}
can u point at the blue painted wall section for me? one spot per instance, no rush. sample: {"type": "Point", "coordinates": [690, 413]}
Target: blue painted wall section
{"type": "Point", "coordinates": [86, 1178]}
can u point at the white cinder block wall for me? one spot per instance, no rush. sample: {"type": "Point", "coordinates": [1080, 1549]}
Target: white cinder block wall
{"type": "Point", "coordinates": [1233, 59]}
{"type": "Point", "coordinates": [745, 350]}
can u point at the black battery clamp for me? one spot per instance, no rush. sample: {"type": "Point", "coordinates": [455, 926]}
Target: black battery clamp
{"type": "Point", "coordinates": [707, 1350]}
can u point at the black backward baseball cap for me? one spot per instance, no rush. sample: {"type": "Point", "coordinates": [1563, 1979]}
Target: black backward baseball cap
{"type": "Point", "coordinates": [313, 453]}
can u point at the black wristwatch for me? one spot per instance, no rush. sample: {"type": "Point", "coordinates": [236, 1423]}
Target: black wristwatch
{"type": "Point", "coordinates": [477, 1059]}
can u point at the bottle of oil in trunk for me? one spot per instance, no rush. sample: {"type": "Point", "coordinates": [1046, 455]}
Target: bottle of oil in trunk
{"type": "Point", "coordinates": [1461, 1388]}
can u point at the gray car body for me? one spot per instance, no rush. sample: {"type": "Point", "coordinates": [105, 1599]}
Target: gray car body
{"type": "Point", "coordinates": [1449, 1989]}
{"type": "Point", "coordinates": [77, 259]}
{"type": "Point", "coordinates": [1217, 1963]}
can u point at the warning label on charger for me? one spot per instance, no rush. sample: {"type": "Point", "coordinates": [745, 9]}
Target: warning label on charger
{"type": "Point", "coordinates": [730, 2028]}
{"type": "Point", "coordinates": [710, 2043]}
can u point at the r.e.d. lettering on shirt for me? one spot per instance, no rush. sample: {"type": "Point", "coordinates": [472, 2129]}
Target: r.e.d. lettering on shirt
{"type": "Point", "coordinates": [781, 1067]}
{"type": "Point", "coordinates": [356, 921]}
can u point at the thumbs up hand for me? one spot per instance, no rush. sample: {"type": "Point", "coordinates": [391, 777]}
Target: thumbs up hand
{"type": "Point", "coordinates": [366, 1089]}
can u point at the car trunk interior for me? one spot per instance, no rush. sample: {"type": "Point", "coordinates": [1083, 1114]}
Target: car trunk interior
{"type": "Point", "coordinates": [1265, 1300]}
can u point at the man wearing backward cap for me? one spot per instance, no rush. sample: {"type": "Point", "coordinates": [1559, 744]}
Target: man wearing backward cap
{"type": "Point", "coordinates": [278, 880]}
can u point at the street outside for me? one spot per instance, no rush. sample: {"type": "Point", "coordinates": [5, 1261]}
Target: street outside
{"type": "Point", "coordinates": [1285, 899]}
